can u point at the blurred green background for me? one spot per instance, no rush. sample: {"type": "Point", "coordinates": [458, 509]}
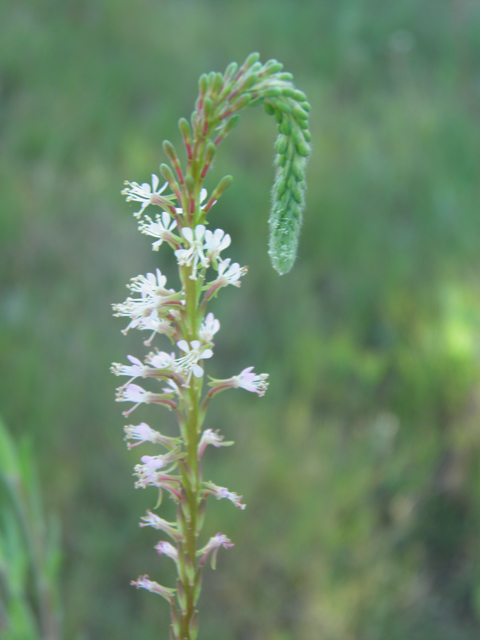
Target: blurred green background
{"type": "Point", "coordinates": [360, 467]}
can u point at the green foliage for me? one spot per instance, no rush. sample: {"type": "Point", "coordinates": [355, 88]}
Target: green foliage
{"type": "Point", "coordinates": [371, 341]}
{"type": "Point", "coordinates": [29, 550]}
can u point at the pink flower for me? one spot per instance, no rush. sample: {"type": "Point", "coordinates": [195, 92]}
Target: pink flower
{"type": "Point", "coordinates": [165, 548]}
{"type": "Point", "coordinates": [219, 540]}
{"type": "Point", "coordinates": [144, 433]}
{"type": "Point", "coordinates": [144, 582]}
{"type": "Point", "coordinates": [135, 371]}
{"type": "Point", "coordinates": [211, 437]}
{"type": "Point", "coordinates": [223, 492]}
{"type": "Point", "coordinates": [251, 382]}
{"type": "Point", "coordinates": [152, 520]}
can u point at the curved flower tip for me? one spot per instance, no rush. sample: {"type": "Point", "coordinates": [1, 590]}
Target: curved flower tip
{"type": "Point", "coordinates": [165, 548]}
{"type": "Point", "coordinates": [144, 582]}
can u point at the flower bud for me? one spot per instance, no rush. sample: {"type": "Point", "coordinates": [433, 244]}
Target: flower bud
{"type": "Point", "coordinates": [273, 66]}
{"type": "Point", "coordinates": [203, 84]}
{"type": "Point", "coordinates": [303, 149]}
{"type": "Point", "coordinates": [230, 71]}
{"type": "Point", "coordinates": [222, 186]}
{"type": "Point", "coordinates": [208, 107]}
{"type": "Point", "coordinates": [299, 95]}
{"type": "Point", "coordinates": [299, 113]}
{"type": "Point", "coordinates": [268, 108]}
{"type": "Point", "coordinates": [250, 61]}
{"type": "Point", "coordinates": [285, 127]}
{"type": "Point", "coordinates": [272, 92]}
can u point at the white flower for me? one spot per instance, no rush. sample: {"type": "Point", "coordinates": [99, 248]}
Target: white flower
{"type": "Point", "coordinates": [143, 582]}
{"type": "Point", "coordinates": [145, 311]}
{"type": "Point", "coordinates": [216, 242]}
{"type": "Point", "coordinates": [227, 274]}
{"type": "Point", "coordinates": [195, 351]}
{"type": "Point", "coordinates": [161, 360]}
{"type": "Point", "coordinates": [143, 193]}
{"type": "Point", "coordinates": [160, 229]}
{"type": "Point", "coordinates": [223, 492]}
{"type": "Point", "coordinates": [193, 255]}
{"type": "Point", "coordinates": [251, 382]}
{"type": "Point", "coordinates": [209, 328]}
{"type": "Point", "coordinates": [230, 274]}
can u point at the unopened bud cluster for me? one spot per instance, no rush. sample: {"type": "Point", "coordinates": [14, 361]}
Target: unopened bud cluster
{"type": "Point", "coordinates": [173, 377]}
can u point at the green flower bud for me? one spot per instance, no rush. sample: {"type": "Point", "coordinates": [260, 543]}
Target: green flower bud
{"type": "Point", "coordinates": [283, 106]}
{"type": "Point", "coordinates": [299, 113]}
{"type": "Point", "coordinates": [250, 61]}
{"type": "Point", "coordinates": [299, 95]}
{"type": "Point", "coordinates": [231, 124]}
{"type": "Point", "coordinates": [281, 144]}
{"type": "Point", "coordinates": [203, 84]}
{"type": "Point", "coordinates": [184, 127]}
{"type": "Point", "coordinates": [208, 107]}
{"type": "Point", "coordinates": [303, 149]}
{"type": "Point", "coordinates": [209, 153]}
{"type": "Point", "coordinates": [271, 92]}
{"type": "Point", "coordinates": [268, 108]}
{"type": "Point", "coordinates": [222, 186]}
{"type": "Point", "coordinates": [230, 71]}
